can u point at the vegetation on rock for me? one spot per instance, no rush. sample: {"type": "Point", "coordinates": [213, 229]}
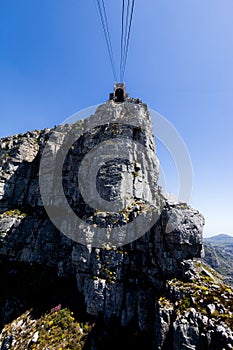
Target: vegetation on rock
{"type": "Point", "coordinates": [206, 293]}
{"type": "Point", "coordinates": [55, 330]}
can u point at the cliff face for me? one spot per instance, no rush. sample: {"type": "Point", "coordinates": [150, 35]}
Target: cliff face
{"type": "Point", "coordinates": [128, 267]}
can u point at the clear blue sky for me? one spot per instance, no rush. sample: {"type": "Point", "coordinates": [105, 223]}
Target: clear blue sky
{"type": "Point", "coordinates": [53, 62]}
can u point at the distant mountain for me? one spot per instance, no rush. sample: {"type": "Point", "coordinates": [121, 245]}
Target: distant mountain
{"type": "Point", "coordinates": [219, 255]}
{"type": "Point", "coordinates": [222, 238]}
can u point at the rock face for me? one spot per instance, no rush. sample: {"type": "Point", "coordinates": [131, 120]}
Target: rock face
{"type": "Point", "coordinates": [219, 255]}
{"type": "Point", "coordinates": [143, 284]}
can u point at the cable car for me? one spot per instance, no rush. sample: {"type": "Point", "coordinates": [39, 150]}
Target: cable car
{"type": "Point", "coordinates": [119, 95]}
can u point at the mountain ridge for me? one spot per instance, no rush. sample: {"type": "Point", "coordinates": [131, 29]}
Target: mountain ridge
{"type": "Point", "coordinates": [220, 237]}
{"type": "Point", "coordinates": [152, 292]}
{"type": "Point", "coordinates": [219, 255]}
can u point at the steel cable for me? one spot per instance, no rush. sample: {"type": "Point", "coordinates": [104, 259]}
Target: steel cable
{"type": "Point", "coordinates": [104, 22]}
{"type": "Point", "coordinates": [128, 38]}
{"type": "Point", "coordinates": [126, 24]}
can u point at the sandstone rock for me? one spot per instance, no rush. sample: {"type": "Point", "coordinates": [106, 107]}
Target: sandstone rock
{"type": "Point", "coordinates": [120, 283]}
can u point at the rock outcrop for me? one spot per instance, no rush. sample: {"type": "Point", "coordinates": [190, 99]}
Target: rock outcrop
{"type": "Point", "coordinates": [140, 286]}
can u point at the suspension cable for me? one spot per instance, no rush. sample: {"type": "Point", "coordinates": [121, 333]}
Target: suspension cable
{"type": "Point", "coordinates": [128, 37]}
{"type": "Point", "coordinates": [104, 22]}
{"type": "Point", "coordinates": [122, 37]}
{"type": "Point", "coordinates": [109, 39]}
{"type": "Point", "coordinates": [126, 24]}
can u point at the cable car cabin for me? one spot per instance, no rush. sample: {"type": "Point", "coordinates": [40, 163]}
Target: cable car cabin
{"type": "Point", "coordinates": [119, 95]}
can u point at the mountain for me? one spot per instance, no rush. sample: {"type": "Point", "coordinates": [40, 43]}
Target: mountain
{"type": "Point", "coordinates": [92, 254]}
{"type": "Point", "coordinates": [219, 255]}
{"type": "Point", "coordinates": [219, 239]}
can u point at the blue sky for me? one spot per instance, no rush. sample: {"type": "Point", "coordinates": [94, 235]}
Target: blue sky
{"type": "Point", "coordinates": [53, 62]}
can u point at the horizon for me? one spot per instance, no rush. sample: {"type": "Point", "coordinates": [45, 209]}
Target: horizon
{"type": "Point", "coordinates": [219, 234]}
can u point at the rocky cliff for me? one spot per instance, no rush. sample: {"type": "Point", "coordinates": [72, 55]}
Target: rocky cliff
{"type": "Point", "coordinates": [108, 247]}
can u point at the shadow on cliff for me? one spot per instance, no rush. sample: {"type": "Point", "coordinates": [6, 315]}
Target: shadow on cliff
{"type": "Point", "coordinates": [35, 287]}
{"type": "Point", "coordinates": [21, 190]}
{"type": "Point", "coordinates": [29, 252]}
{"type": "Point", "coordinates": [115, 337]}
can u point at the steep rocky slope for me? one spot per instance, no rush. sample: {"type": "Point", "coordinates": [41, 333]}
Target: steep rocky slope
{"type": "Point", "coordinates": [219, 255]}
{"type": "Point", "coordinates": [127, 287]}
